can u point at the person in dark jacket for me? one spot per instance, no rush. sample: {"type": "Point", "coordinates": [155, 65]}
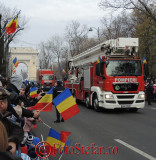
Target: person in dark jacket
{"type": "Point", "coordinates": [149, 91]}
{"type": "Point", "coordinates": [57, 90]}
{"type": "Point", "coordinates": [14, 132]}
{"type": "Point", "coordinates": [23, 98]}
{"type": "Point", "coordinates": [14, 88]}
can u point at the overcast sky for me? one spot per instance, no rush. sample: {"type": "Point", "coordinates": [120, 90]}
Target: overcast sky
{"type": "Point", "coordinates": [49, 17]}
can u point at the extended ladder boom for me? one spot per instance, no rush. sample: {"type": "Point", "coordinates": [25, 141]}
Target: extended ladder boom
{"type": "Point", "coordinates": [113, 47]}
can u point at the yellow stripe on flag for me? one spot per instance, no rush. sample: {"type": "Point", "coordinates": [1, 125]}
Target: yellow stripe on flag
{"type": "Point", "coordinates": [69, 102]}
{"type": "Point", "coordinates": [46, 99]}
{"type": "Point", "coordinates": [32, 93]}
{"type": "Point", "coordinates": [10, 23]}
{"type": "Point", "coordinates": [53, 141]}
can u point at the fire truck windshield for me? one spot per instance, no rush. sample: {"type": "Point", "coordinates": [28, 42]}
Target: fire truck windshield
{"type": "Point", "coordinates": [48, 77]}
{"type": "Point", "coordinates": [124, 68]}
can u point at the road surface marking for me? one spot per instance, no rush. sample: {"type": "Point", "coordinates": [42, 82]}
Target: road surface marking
{"type": "Point", "coordinates": [153, 108]}
{"type": "Point", "coordinates": [135, 149]}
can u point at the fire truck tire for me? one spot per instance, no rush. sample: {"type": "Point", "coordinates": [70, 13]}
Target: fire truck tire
{"type": "Point", "coordinates": [96, 104]}
{"type": "Point", "coordinates": [133, 110]}
{"type": "Point", "coordinates": [87, 101]}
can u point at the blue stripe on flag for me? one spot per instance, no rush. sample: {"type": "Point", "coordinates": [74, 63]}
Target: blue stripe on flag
{"type": "Point", "coordinates": [62, 96]}
{"type": "Point", "coordinates": [15, 60]}
{"type": "Point", "coordinates": [33, 89]}
{"type": "Point", "coordinates": [51, 91]}
{"type": "Point", "coordinates": [54, 134]}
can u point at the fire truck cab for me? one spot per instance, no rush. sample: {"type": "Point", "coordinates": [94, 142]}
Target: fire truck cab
{"type": "Point", "coordinates": [109, 75]}
{"type": "Point", "coordinates": [45, 78]}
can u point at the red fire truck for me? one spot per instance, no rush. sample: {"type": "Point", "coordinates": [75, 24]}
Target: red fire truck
{"type": "Point", "coordinates": [116, 81]}
{"type": "Point", "coordinates": [45, 78]}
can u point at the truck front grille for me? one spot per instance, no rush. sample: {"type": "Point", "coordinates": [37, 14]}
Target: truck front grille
{"type": "Point", "coordinates": [125, 102]}
{"type": "Point", "coordinates": [125, 86]}
{"type": "Point", "coordinates": [125, 96]}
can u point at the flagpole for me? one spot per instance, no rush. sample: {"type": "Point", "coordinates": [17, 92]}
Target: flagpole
{"type": "Point", "coordinates": [46, 124]}
{"type": "Point", "coordinates": [43, 144]}
{"type": "Point", "coordinates": [61, 156]}
{"type": "Point", "coordinates": [44, 107]}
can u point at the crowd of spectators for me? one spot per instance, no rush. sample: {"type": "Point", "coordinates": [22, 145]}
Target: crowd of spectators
{"type": "Point", "coordinates": [16, 120]}
{"type": "Point", "coordinates": [150, 90]}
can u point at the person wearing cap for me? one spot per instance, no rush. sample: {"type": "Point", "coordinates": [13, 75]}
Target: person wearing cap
{"type": "Point", "coordinates": [4, 94]}
{"type": "Point", "coordinates": [26, 99]}
{"type": "Point", "coordinates": [14, 88]}
{"type": "Point", "coordinates": [57, 90]}
{"type": "Point", "coordinates": [15, 133]}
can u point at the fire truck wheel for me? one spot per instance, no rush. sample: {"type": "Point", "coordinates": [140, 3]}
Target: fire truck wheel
{"type": "Point", "coordinates": [87, 101]}
{"type": "Point", "coordinates": [133, 110]}
{"type": "Point", "coordinates": [96, 104]}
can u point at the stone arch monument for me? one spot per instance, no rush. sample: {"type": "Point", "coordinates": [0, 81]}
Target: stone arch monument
{"type": "Point", "coordinates": [28, 56]}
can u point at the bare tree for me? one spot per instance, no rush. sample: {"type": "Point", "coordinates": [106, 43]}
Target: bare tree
{"type": "Point", "coordinates": [147, 7]}
{"type": "Point", "coordinates": [45, 56]}
{"type": "Point", "coordinates": [6, 15]}
{"type": "Point", "coordinates": [57, 45]}
{"type": "Point", "coordinates": [76, 36]}
{"type": "Point", "coordinates": [120, 26]}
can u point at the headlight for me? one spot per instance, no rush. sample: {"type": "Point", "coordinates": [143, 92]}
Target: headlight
{"type": "Point", "coordinates": [109, 96]}
{"type": "Point", "coordinates": [141, 96]}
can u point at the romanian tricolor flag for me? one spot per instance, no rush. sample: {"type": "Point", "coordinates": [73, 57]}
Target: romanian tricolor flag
{"type": "Point", "coordinates": [144, 60]}
{"type": "Point", "coordinates": [63, 71]}
{"type": "Point", "coordinates": [54, 139]}
{"type": "Point", "coordinates": [99, 59]}
{"type": "Point", "coordinates": [66, 105]}
{"type": "Point", "coordinates": [33, 92]}
{"type": "Point", "coordinates": [45, 100]}
{"type": "Point", "coordinates": [15, 62]}
{"type": "Point", "coordinates": [12, 25]}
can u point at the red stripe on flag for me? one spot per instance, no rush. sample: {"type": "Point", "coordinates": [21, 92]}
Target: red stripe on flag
{"type": "Point", "coordinates": [39, 106]}
{"type": "Point", "coordinates": [70, 112]}
{"type": "Point", "coordinates": [12, 28]}
{"type": "Point", "coordinates": [34, 95]}
{"type": "Point", "coordinates": [64, 136]}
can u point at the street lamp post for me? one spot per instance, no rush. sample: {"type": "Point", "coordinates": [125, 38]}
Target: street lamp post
{"type": "Point", "coordinates": [98, 31]}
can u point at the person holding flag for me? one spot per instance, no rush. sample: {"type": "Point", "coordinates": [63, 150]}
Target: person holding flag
{"type": "Point", "coordinates": [57, 90]}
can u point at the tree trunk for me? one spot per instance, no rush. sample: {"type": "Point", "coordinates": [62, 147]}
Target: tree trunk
{"type": "Point", "coordinates": [2, 57]}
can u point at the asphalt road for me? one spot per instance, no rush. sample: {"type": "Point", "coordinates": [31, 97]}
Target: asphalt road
{"type": "Point", "coordinates": [121, 134]}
